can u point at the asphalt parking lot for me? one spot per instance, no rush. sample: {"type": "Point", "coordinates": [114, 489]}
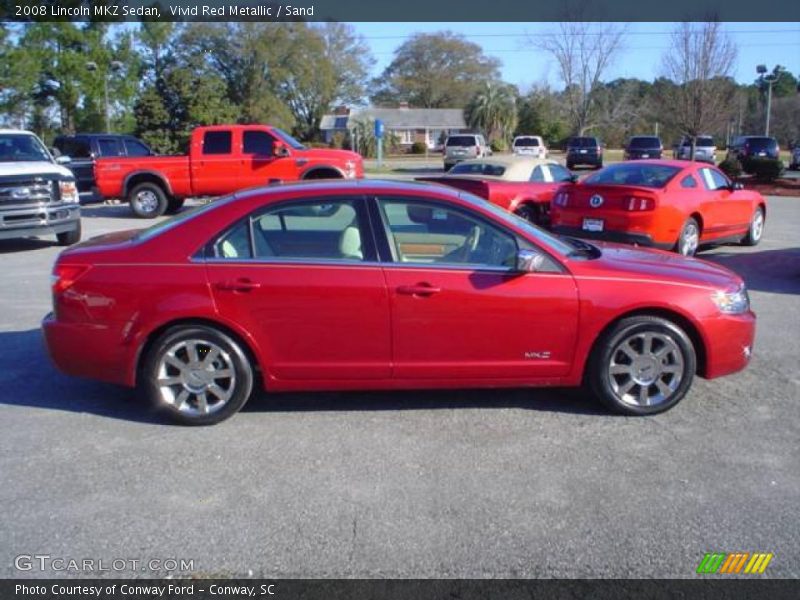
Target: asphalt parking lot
{"type": "Point", "coordinates": [438, 484]}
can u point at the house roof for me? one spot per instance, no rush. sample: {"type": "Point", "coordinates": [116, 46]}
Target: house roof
{"type": "Point", "coordinates": [400, 118]}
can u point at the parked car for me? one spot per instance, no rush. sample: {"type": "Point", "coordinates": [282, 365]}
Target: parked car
{"type": "Point", "coordinates": [643, 146]}
{"type": "Point", "coordinates": [584, 151]}
{"type": "Point", "coordinates": [670, 205]}
{"type": "Point", "coordinates": [521, 185]}
{"type": "Point", "coordinates": [385, 285]}
{"type": "Point", "coordinates": [747, 147]}
{"type": "Point", "coordinates": [529, 145]}
{"type": "Point", "coordinates": [222, 159]}
{"type": "Point", "coordinates": [83, 148]}
{"type": "Point", "coordinates": [464, 146]}
{"type": "Point", "coordinates": [704, 149]}
{"type": "Point", "coordinates": [38, 195]}
{"type": "Point", "coordinates": [794, 163]}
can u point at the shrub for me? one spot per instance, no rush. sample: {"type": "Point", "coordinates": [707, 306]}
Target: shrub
{"type": "Point", "coordinates": [418, 148]}
{"type": "Point", "coordinates": [764, 169]}
{"type": "Point", "coordinates": [498, 145]}
{"type": "Point", "coordinates": [731, 167]}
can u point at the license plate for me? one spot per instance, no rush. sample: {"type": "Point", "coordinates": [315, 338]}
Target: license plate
{"type": "Point", "coordinates": [762, 153]}
{"type": "Point", "coordinates": [645, 156]}
{"type": "Point", "coordinates": [584, 151]}
{"type": "Point", "coordinates": [593, 224]}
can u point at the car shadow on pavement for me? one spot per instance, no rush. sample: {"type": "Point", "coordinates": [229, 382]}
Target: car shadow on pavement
{"type": "Point", "coordinates": [25, 244]}
{"type": "Point", "coordinates": [776, 271]}
{"type": "Point", "coordinates": [29, 379]}
{"type": "Point", "coordinates": [107, 211]}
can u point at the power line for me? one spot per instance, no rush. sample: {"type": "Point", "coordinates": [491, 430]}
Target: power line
{"type": "Point", "coordinates": [526, 34]}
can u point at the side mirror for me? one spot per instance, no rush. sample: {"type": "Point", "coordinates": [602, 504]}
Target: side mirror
{"type": "Point", "coordinates": [63, 160]}
{"type": "Point", "coordinates": [529, 261]}
{"type": "Point", "coordinates": [573, 178]}
{"type": "Point", "coordinates": [278, 150]}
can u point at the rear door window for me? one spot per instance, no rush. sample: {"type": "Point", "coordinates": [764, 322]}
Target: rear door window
{"type": "Point", "coordinates": [217, 142]}
{"type": "Point", "coordinates": [109, 147]}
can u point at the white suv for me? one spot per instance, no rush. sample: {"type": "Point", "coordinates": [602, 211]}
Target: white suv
{"type": "Point", "coordinates": [529, 145]}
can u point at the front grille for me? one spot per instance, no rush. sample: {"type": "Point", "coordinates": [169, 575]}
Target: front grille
{"type": "Point", "coordinates": [27, 191]}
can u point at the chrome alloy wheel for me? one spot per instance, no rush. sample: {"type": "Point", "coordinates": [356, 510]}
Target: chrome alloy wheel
{"type": "Point", "coordinates": [690, 239]}
{"type": "Point", "coordinates": [147, 201]}
{"type": "Point", "coordinates": [757, 226]}
{"type": "Point", "coordinates": [646, 368]}
{"type": "Point", "coordinates": [197, 377]}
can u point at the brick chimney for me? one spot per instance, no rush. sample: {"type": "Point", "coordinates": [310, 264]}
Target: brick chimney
{"type": "Point", "coordinates": [341, 111]}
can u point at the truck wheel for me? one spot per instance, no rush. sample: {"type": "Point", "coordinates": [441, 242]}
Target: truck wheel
{"type": "Point", "coordinates": [67, 238]}
{"type": "Point", "coordinates": [174, 205]}
{"type": "Point", "coordinates": [148, 200]}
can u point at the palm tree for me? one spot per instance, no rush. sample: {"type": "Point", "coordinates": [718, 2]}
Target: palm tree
{"type": "Point", "coordinates": [493, 109]}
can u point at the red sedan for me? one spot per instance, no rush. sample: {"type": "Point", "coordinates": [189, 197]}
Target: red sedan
{"type": "Point", "coordinates": [378, 285]}
{"type": "Point", "coordinates": [667, 204]}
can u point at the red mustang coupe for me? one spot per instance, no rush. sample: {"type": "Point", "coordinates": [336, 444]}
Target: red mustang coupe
{"type": "Point", "coordinates": [379, 285]}
{"type": "Point", "coordinates": [667, 204]}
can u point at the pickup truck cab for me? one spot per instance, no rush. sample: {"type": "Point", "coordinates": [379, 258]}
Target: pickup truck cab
{"type": "Point", "coordinates": [82, 150]}
{"type": "Point", "coordinates": [38, 196]}
{"type": "Point", "coordinates": [222, 159]}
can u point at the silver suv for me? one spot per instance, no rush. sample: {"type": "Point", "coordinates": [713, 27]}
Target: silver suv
{"type": "Point", "coordinates": [704, 149]}
{"type": "Point", "coordinates": [464, 146]}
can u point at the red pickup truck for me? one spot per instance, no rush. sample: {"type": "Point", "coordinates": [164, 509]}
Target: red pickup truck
{"type": "Point", "coordinates": [222, 159]}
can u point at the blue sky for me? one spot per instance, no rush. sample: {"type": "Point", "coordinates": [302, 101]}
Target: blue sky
{"type": "Point", "coordinates": [645, 44]}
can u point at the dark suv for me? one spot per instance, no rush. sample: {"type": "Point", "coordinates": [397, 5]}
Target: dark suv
{"type": "Point", "coordinates": [754, 146]}
{"type": "Point", "coordinates": [83, 148]}
{"type": "Point", "coordinates": [584, 151]}
{"type": "Point", "coordinates": [643, 146]}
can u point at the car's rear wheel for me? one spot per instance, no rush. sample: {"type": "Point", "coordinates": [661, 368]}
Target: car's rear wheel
{"type": "Point", "coordinates": [689, 238]}
{"type": "Point", "coordinates": [73, 236]}
{"type": "Point", "coordinates": [642, 366]}
{"type": "Point", "coordinates": [756, 230]}
{"type": "Point", "coordinates": [197, 374]}
{"type": "Point", "coordinates": [148, 200]}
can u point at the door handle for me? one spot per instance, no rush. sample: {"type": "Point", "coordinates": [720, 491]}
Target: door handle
{"type": "Point", "coordinates": [421, 289]}
{"type": "Point", "coordinates": [238, 285]}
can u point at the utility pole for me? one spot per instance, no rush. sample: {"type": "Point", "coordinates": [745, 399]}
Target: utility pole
{"type": "Point", "coordinates": [770, 80]}
{"type": "Point", "coordinates": [113, 67]}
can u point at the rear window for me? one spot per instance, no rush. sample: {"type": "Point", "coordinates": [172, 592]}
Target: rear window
{"type": "Point", "coordinates": [583, 142]}
{"type": "Point", "coordinates": [647, 175]}
{"type": "Point", "coordinates": [478, 169]}
{"type": "Point", "coordinates": [762, 143]}
{"type": "Point", "coordinates": [644, 142]}
{"type": "Point", "coordinates": [462, 140]}
{"type": "Point", "coordinates": [524, 142]}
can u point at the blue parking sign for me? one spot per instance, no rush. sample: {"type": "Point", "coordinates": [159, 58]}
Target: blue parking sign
{"type": "Point", "coordinates": [378, 128]}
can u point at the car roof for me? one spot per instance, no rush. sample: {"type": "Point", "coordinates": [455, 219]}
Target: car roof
{"type": "Point", "coordinates": [517, 168]}
{"type": "Point", "coordinates": [343, 186]}
{"type": "Point", "coordinates": [15, 131]}
{"type": "Point", "coordinates": [680, 164]}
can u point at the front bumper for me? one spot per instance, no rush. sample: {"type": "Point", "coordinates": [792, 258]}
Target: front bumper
{"type": "Point", "coordinates": [729, 343]}
{"type": "Point", "coordinates": [42, 219]}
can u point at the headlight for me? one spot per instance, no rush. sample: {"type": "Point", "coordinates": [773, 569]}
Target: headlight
{"type": "Point", "coordinates": [732, 302]}
{"type": "Point", "coordinates": [69, 191]}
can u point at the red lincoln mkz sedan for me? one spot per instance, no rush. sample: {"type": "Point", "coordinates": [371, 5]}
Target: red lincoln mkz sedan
{"type": "Point", "coordinates": [378, 285]}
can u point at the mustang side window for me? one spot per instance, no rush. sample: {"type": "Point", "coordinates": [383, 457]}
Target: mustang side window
{"type": "Point", "coordinates": [422, 232]}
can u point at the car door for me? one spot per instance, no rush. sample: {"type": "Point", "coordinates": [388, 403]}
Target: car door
{"type": "Point", "coordinates": [459, 310]}
{"type": "Point", "coordinates": [298, 277]}
{"type": "Point", "coordinates": [216, 163]}
{"type": "Point", "coordinates": [726, 211]}
{"type": "Point", "coordinates": [259, 163]}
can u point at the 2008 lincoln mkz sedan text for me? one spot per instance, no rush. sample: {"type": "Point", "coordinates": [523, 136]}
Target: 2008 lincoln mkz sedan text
{"type": "Point", "coordinates": [379, 285]}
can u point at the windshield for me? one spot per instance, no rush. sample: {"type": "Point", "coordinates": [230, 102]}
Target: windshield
{"type": "Point", "coordinates": [645, 142]}
{"type": "Point", "coordinates": [526, 142]}
{"type": "Point", "coordinates": [17, 147]}
{"type": "Point", "coordinates": [288, 140]}
{"type": "Point", "coordinates": [652, 175]}
{"type": "Point", "coordinates": [462, 140]}
{"type": "Point", "coordinates": [583, 142]}
{"type": "Point", "coordinates": [467, 168]}
{"type": "Point", "coordinates": [701, 141]}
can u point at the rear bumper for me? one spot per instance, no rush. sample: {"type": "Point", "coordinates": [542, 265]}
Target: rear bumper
{"type": "Point", "coordinates": [87, 350]}
{"type": "Point", "coordinates": [729, 344]}
{"type": "Point", "coordinates": [621, 237]}
{"type": "Point", "coordinates": [26, 221]}
{"type": "Point", "coordinates": [585, 159]}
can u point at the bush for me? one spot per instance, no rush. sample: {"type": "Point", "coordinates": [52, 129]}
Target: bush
{"type": "Point", "coordinates": [418, 148]}
{"type": "Point", "coordinates": [731, 167]}
{"type": "Point", "coordinates": [498, 146]}
{"type": "Point", "coordinates": [764, 169]}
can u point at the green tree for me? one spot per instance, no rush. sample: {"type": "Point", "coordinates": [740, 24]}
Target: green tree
{"type": "Point", "coordinates": [435, 70]}
{"type": "Point", "coordinates": [493, 109]}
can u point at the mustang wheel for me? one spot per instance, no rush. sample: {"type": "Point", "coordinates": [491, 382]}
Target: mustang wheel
{"type": "Point", "coordinates": [642, 366]}
{"type": "Point", "coordinates": [756, 230]}
{"type": "Point", "coordinates": [689, 239]}
{"type": "Point", "coordinates": [199, 375]}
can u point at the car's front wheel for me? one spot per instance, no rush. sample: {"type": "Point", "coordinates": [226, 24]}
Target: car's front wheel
{"type": "Point", "coordinates": [197, 374]}
{"type": "Point", "coordinates": [73, 236]}
{"type": "Point", "coordinates": [642, 366]}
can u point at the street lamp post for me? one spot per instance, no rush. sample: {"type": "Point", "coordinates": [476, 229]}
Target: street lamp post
{"type": "Point", "coordinates": [770, 81]}
{"type": "Point", "coordinates": [113, 67]}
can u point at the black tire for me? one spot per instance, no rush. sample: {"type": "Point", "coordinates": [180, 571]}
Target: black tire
{"type": "Point", "coordinates": [148, 200]}
{"type": "Point", "coordinates": [448, 166]}
{"type": "Point", "coordinates": [174, 205]}
{"type": "Point", "coordinates": [679, 365]}
{"type": "Point", "coordinates": [570, 165]}
{"type": "Point", "coordinates": [73, 236]}
{"type": "Point", "coordinates": [183, 399]}
{"type": "Point", "coordinates": [756, 230]}
{"type": "Point", "coordinates": [684, 245]}
{"type": "Point", "coordinates": [529, 213]}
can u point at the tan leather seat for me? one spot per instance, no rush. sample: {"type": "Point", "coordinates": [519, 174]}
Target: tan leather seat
{"type": "Point", "coordinates": [350, 243]}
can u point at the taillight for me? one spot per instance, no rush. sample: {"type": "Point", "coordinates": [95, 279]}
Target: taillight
{"type": "Point", "coordinates": [637, 204]}
{"type": "Point", "coordinates": [64, 276]}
